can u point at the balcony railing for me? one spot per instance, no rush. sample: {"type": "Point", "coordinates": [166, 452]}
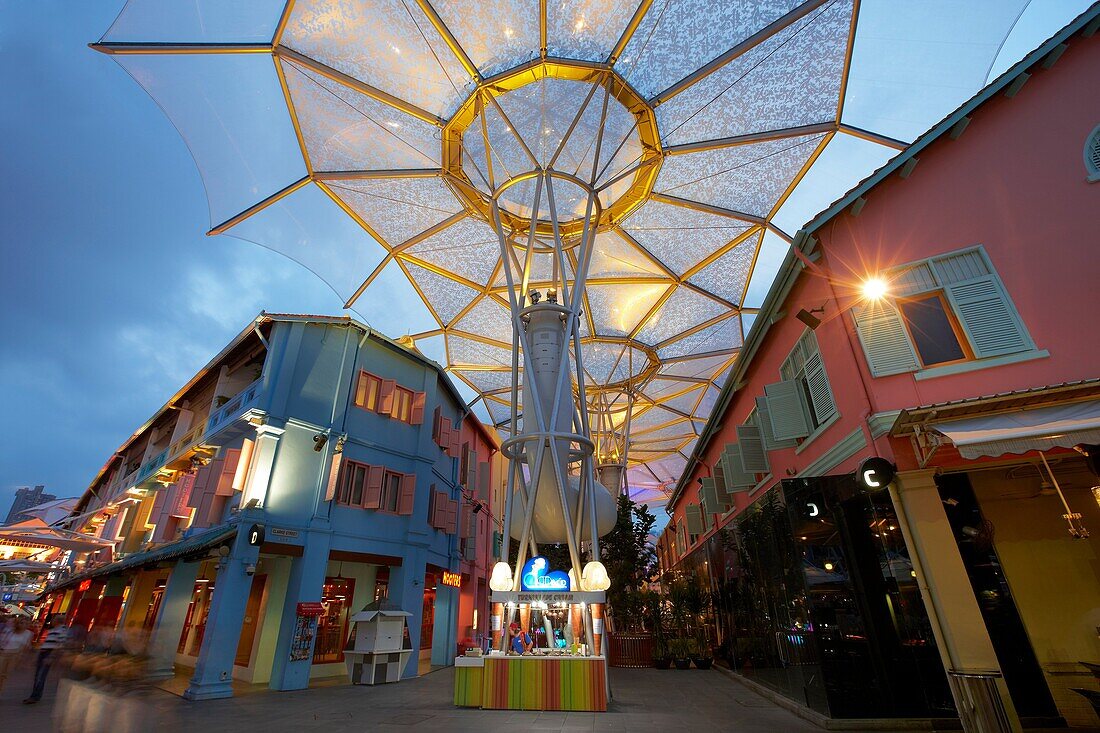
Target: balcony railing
{"type": "Point", "coordinates": [242, 401]}
{"type": "Point", "coordinates": [152, 465]}
{"type": "Point", "coordinates": [186, 441]}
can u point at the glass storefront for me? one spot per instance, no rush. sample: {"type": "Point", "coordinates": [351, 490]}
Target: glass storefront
{"type": "Point", "coordinates": [815, 597]}
{"type": "Point", "coordinates": [332, 625]}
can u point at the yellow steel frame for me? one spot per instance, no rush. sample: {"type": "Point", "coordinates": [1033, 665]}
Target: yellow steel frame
{"type": "Point", "coordinates": [487, 92]}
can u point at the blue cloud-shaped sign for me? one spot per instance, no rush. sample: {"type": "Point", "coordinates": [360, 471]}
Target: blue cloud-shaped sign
{"type": "Point", "coordinates": [537, 577]}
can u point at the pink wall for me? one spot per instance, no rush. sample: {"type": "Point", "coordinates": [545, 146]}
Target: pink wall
{"type": "Point", "coordinates": [1015, 183]}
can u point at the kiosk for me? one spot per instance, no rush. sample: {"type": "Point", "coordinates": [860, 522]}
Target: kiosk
{"type": "Point", "coordinates": [378, 650]}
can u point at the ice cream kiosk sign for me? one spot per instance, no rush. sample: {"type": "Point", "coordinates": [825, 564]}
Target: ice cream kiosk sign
{"type": "Point", "coordinates": [536, 576]}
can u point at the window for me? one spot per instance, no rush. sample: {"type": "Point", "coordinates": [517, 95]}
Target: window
{"type": "Point", "coordinates": [402, 404]}
{"type": "Point", "coordinates": [352, 484]}
{"type": "Point", "coordinates": [932, 330]}
{"type": "Point", "coordinates": [367, 391]}
{"type": "Point", "coordinates": [803, 401]}
{"type": "Point", "coordinates": [946, 309]}
{"type": "Point", "coordinates": [391, 491]}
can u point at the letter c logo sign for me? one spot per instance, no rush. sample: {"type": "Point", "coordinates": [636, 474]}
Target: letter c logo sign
{"type": "Point", "coordinates": [875, 473]}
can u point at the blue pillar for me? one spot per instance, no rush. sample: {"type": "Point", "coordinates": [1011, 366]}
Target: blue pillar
{"type": "Point", "coordinates": [307, 576]}
{"type": "Point", "coordinates": [444, 638]}
{"type": "Point", "coordinates": [406, 590]}
{"type": "Point", "coordinates": [214, 669]}
{"type": "Point", "coordinates": [178, 592]}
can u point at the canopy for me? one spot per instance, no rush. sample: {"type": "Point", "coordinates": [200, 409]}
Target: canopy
{"type": "Point", "coordinates": [1043, 428]}
{"type": "Point", "coordinates": [367, 140]}
{"type": "Point", "coordinates": [37, 532]}
{"type": "Point", "coordinates": [27, 566]}
{"type": "Point", "coordinates": [52, 512]}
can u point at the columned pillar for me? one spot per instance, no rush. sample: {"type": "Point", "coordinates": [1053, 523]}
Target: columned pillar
{"type": "Point", "coordinates": [164, 641]}
{"type": "Point", "coordinates": [406, 590]}
{"type": "Point", "coordinates": [214, 668]}
{"type": "Point", "coordinates": [259, 467]}
{"type": "Point", "coordinates": [307, 576]}
{"type": "Point", "coordinates": [961, 635]}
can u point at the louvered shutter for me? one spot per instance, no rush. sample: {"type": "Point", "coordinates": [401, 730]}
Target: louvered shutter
{"type": "Point", "coordinates": [372, 496]}
{"type": "Point", "coordinates": [988, 318]}
{"type": "Point", "coordinates": [469, 521]}
{"type": "Point", "coordinates": [407, 495]}
{"type": "Point", "coordinates": [456, 438]}
{"type": "Point", "coordinates": [385, 397]}
{"type": "Point", "coordinates": [885, 342]}
{"type": "Point", "coordinates": [737, 479]}
{"type": "Point", "coordinates": [158, 504]}
{"type": "Point", "coordinates": [469, 548]}
{"type": "Point", "coordinates": [708, 496]}
{"type": "Point", "coordinates": [821, 394]}
{"type": "Point", "coordinates": [439, 518]}
{"type": "Point", "coordinates": [416, 416]}
{"type": "Point", "coordinates": [483, 479]}
{"type": "Point", "coordinates": [431, 505]}
{"type": "Point", "coordinates": [471, 471]}
{"type": "Point", "coordinates": [452, 516]}
{"type": "Point", "coordinates": [764, 421]}
{"type": "Point", "coordinates": [694, 516]}
{"type": "Point", "coordinates": [437, 423]}
{"type": "Point", "coordinates": [787, 410]}
{"type": "Point", "coordinates": [224, 486]}
{"type": "Point", "coordinates": [754, 458]}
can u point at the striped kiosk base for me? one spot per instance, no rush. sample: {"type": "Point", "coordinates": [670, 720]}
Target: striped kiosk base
{"type": "Point", "coordinates": [518, 683]}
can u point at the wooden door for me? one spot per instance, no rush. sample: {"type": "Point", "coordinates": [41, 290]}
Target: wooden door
{"type": "Point", "coordinates": [251, 621]}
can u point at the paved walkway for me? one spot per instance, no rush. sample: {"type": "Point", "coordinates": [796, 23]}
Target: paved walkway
{"type": "Point", "coordinates": [645, 700]}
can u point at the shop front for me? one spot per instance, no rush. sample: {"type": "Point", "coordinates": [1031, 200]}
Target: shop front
{"type": "Point", "coordinates": [817, 600]}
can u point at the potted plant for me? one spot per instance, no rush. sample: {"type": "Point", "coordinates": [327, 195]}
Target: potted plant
{"type": "Point", "coordinates": [662, 657]}
{"type": "Point", "coordinates": [681, 653]}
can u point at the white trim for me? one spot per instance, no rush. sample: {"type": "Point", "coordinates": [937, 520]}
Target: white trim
{"type": "Point", "coordinates": [971, 366]}
{"type": "Point", "coordinates": [844, 449]}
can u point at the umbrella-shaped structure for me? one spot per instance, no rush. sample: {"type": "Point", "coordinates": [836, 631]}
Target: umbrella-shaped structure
{"type": "Point", "coordinates": [624, 159]}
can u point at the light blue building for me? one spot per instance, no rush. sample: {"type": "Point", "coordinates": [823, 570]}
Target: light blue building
{"type": "Point", "coordinates": [311, 467]}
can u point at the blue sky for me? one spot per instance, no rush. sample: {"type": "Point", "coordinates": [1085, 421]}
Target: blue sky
{"type": "Point", "coordinates": [113, 296]}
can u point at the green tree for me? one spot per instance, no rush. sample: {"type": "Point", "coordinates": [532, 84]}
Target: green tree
{"type": "Point", "coordinates": [630, 559]}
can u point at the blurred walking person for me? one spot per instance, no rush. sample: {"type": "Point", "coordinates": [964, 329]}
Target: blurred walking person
{"type": "Point", "coordinates": [13, 642]}
{"type": "Point", "coordinates": [57, 637]}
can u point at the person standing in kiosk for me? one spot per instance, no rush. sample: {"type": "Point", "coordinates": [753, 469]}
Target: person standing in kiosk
{"type": "Point", "coordinates": [520, 640]}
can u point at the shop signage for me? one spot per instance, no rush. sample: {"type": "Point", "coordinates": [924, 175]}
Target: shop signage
{"type": "Point", "coordinates": [310, 608]}
{"type": "Point", "coordinates": [8, 597]}
{"type": "Point", "coordinates": [452, 579]}
{"type": "Point", "coordinates": [84, 585]}
{"type": "Point", "coordinates": [280, 532]}
{"type": "Point", "coordinates": [256, 535]}
{"type": "Point", "coordinates": [875, 474]}
{"type": "Point", "coordinates": [545, 597]}
{"type": "Point", "coordinates": [537, 576]}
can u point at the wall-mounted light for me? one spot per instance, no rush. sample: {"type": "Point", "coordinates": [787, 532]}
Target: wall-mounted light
{"type": "Point", "coordinates": [319, 441]}
{"type": "Point", "coordinates": [808, 317]}
{"type": "Point", "coordinates": [874, 288]}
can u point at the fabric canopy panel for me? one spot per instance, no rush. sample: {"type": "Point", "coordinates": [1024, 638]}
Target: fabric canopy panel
{"type": "Point", "coordinates": [1059, 426]}
{"type": "Point", "coordinates": [692, 121]}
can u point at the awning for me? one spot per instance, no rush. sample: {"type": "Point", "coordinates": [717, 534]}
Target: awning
{"type": "Point", "coordinates": [193, 545]}
{"type": "Point", "coordinates": [28, 566]}
{"type": "Point", "coordinates": [34, 531]}
{"type": "Point", "coordinates": [1058, 426]}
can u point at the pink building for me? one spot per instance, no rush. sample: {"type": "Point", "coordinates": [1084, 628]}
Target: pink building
{"type": "Point", "coordinates": [976, 372]}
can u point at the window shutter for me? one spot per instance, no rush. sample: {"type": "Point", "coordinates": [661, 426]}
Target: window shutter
{"type": "Point", "coordinates": [986, 314]}
{"type": "Point", "coordinates": [333, 476]}
{"type": "Point", "coordinates": [452, 516]}
{"type": "Point", "coordinates": [483, 479]}
{"type": "Point", "coordinates": [737, 479]}
{"type": "Point", "coordinates": [469, 521]}
{"type": "Point", "coordinates": [469, 549]}
{"type": "Point", "coordinates": [202, 478]}
{"type": "Point", "coordinates": [471, 471]}
{"type": "Point", "coordinates": [361, 390]}
{"type": "Point", "coordinates": [408, 493]}
{"type": "Point", "coordinates": [498, 543]}
{"type": "Point", "coordinates": [437, 423]}
{"type": "Point", "coordinates": [439, 517]}
{"type": "Point", "coordinates": [719, 478]}
{"type": "Point", "coordinates": [708, 497]}
{"type": "Point", "coordinates": [385, 397]}
{"type": "Point", "coordinates": [821, 394]}
{"type": "Point", "coordinates": [372, 497]}
{"type": "Point", "coordinates": [158, 504]}
{"type": "Point", "coordinates": [885, 342]}
{"type": "Point", "coordinates": [456, 437]}
{"type": "Point", "coordinates": [694, 515]}
{"type": "Point", "coordinates": [416, 416]}
{"type": "Point", "coordinates": [786, 410]}
{"type": "Point", "coordinates": [754, 458]}
{"type": "Point", "coordinates": [431, 505]}
{"type": "Point", "coordinates": [764, 421]}
{"type": "Point", "coordinates": [224, 486]}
